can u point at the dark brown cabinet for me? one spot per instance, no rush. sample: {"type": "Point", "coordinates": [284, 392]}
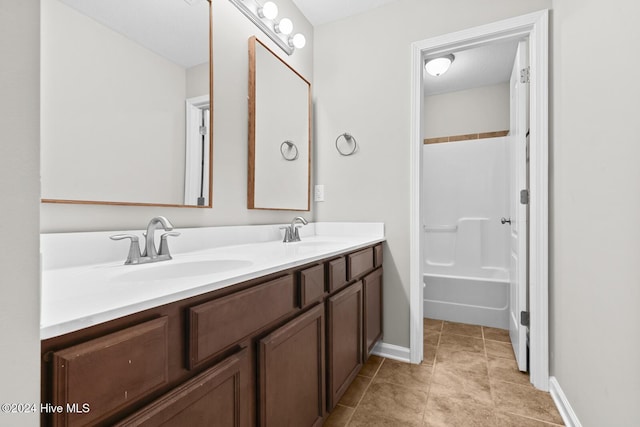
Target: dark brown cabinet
{"type": "Point", "coordinates": [372, 291]}
{"type": "Point", "coordinates": [109, 373]}
{"type": "Point", "coordinates": [344, 341]}
{"type": "Point", "coordinates": [276, 351]}
{"type": "Point", "coordinates": [291, 373]}
{"type": "Point", "coordinates": [217, 397]}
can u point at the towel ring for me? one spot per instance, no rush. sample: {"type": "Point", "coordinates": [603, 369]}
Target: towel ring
{"type": "Point", "coordinates": [290, 146]}
{"type": "Point", "coordinates": [348, 138]}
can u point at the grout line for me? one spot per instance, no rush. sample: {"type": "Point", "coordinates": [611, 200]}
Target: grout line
{"type": "Point", "coordinates": [531, 418]}
{"type": "Point", "coordinates": [355, 408]}
{"type": "Point", "coordinates": [433, 371]}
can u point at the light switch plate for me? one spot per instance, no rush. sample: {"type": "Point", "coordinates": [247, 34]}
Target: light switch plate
{"type": "Point", "coordinates": [318, 193]}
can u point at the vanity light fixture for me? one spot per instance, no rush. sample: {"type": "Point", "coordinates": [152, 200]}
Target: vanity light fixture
{"type": "Point", "coordinates": [264, 17]}
{"type": "Point", "coordinates": [438, 66]}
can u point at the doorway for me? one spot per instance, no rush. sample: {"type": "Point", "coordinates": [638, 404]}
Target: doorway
{"type": "Point", "coordinates": [533, 27]}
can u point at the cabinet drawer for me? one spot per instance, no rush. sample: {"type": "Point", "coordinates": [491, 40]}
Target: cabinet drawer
{"type": "Point", "coordinates": [312, 287]}
{"type": "Point", "coordinates": [219, 396]}
{"type": "Point", "coordinates": [377, 256]}
{"type": "Point", "coordinates": [337, 269]}
{"type": "Point", "coordinates": [359, 263]}
{"type": "Point", "coordinates": [111, 372]}
{"type": "Point", "coordinates": [216, 325]}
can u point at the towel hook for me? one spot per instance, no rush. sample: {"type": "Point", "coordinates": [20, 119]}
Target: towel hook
{"type": "Point", "coordinates": [290, 146]}
{"type": "Point", "coordinates": [349, 139]}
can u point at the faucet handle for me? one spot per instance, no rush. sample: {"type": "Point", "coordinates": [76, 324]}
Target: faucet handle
{"type": "Point", "coordinates": [164, 246]}
{"type": "Point", "coordinates": [295, 234]}
{"type": "Point", "coordinates": [287, 233]}
{"type": "Point", "coordinates": [134, 249]}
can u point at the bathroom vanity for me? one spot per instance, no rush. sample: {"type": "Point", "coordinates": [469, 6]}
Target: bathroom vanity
{"type": "Point", "coordinates": [273, 343]}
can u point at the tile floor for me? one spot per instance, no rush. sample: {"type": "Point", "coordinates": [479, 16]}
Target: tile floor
{"type": "Point", "coordinates": [468, 378]}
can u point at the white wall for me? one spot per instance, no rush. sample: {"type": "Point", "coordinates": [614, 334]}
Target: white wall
{"type": "Point", "coordinates": [477, 110]}
{"type": "Point", "coordinates": [362, 85]}
{"type": "Point", "coordinates": [595, 210]}
{"type": "Point", "coordinates": [231, 33]}
{"type": "Point", "coordinates": [19, 200]}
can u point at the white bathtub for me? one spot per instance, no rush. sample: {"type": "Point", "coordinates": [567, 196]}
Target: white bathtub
{"type": "Point", "coordinates": [478, 301]}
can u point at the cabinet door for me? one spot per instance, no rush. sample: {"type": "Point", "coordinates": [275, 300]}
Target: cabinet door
{"type": "Point", "coordinates": [291, 373]}
{"type": "Point", "coordinates": [217, 397]}
{"type": "Point", "coordinates": [344, 340]}
{"type": "Point", "coordinates": [372, 290]}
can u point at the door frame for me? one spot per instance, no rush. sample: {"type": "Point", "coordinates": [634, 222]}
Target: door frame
{"type": "Point", "coordinates": [535, 26]}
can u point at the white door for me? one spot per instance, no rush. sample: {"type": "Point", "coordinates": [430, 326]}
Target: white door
{"type": "Point", "coordinates": [518, 211]}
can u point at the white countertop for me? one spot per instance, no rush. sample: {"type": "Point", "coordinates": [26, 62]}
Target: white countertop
{"type": "Point", "coordinates": [80, 290]}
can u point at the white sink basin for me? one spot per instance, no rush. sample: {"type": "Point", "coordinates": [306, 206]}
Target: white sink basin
{"type": "Point", "coordinates": [176, 269]}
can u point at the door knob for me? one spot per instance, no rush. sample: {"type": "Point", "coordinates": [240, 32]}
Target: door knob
{"type": "Point", "coordinates": [504, 220]}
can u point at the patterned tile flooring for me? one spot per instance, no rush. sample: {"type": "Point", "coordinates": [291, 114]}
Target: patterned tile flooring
{"type": "Point", "coordinates": [468, 378]}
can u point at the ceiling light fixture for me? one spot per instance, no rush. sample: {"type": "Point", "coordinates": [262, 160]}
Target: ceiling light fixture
{"type": "Point", "coordinates": [438, 66]}
{"type": "Point", "coordinates": [263, 16]}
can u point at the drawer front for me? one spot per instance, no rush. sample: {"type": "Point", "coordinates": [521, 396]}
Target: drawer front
{"type": "Point", "coordinates": [359, 263]}
{"type": "Point", "coordinates": [337, 269]}
{"type": "Point", "coordinates": [111, 372]}
{"type": "Point", "coordinates": [217, 397]}
{"type": "Point", "coordinates": [312, 287]}
{"type": "Point", "coordinates": [216, 325]}
{"type": "Point", "coordinates": [377, 256]}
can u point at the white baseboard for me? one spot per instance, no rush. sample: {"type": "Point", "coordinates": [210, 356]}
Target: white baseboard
{"type": "Point", "coordinates": [562, 403]}
{"type": "Point", "coordinates": [392, 351]}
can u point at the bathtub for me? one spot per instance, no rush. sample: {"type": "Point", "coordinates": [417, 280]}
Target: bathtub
{"type": "Point", "coordinates": [465, 274]}
{"type": "Point", "coordinates": [474, 300]}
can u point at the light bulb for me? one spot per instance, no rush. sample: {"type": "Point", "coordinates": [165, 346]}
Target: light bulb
{"type": "Point", "coordinates": [285, 26]}
{"type": "Point", "coordinates": [269, 10]}
{"type": "Point", "coordinates": [298, 41]}
{"type": "Point", "coordinates": [439, 66]}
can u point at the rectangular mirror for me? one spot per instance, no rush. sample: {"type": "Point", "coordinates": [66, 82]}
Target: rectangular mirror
{"type": "Point", "coordinates": [279, 133]}
{"type": "Point", "coordinates": [125, 102]}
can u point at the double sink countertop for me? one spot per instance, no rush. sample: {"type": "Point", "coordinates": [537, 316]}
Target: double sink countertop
{"type": "Point", "coordinates": [85, 281]}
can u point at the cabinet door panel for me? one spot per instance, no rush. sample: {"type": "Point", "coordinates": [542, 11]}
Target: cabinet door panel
{"type": "Point", "coordinates": [111, 372]}
{"type": "Point", "coordinates": [344, 340]}
{"type": "Point", "coordinates": [291, 373]}
{"type": "Point", "coordinates": [372, 287]}
{"type": "Point", "coordinates": [217, 397]}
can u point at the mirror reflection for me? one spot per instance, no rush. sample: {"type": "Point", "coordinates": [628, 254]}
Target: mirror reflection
{"type": "Point", "coordinates": [125, 109]}
{"type": "Point", "coordinates": [279, 133]}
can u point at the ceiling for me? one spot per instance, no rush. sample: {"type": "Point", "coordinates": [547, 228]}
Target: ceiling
{"type": "Point", "coordinates": [323, 11]}
{"type": "Point", "coordinates": [481, 66]}
{"type": "Point", "coordinates": [175, 24]}
{"type": "Point", "coordinates": [176, 30]}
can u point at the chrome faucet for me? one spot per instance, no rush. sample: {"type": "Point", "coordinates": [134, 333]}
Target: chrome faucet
{"type": "Point", "coordinates": [291, 233]}
{"type": "Point", "coordinates": [150, 254]}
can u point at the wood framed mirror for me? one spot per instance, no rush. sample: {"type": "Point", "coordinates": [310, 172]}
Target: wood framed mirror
{"type": "Point", "coordinates": [126, 112]}
{"type": "Point", "coordinates": [279, 133]}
